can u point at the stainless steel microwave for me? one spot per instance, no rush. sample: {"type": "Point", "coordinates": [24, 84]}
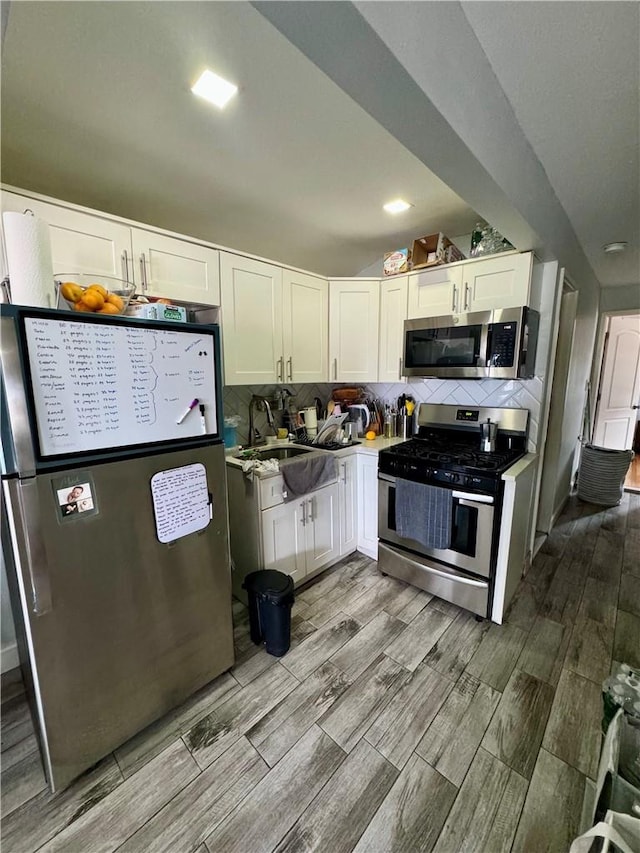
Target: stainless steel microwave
{"type": "Point", "coordinates": [498, 344]}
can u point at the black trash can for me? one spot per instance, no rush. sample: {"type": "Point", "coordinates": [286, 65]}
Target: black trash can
{"type": "Point", "coordinates": [270, 595]}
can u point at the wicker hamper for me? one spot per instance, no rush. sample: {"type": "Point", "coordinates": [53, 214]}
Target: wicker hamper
{"type": "Point", "coordinates": [601, 474]}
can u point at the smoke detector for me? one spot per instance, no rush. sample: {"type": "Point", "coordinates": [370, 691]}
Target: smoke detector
{"type": "Point", "coordinates": [615, 248]}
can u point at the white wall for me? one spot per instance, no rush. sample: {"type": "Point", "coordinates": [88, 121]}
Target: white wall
{"type": "Point", "coordinates": [620, 298]}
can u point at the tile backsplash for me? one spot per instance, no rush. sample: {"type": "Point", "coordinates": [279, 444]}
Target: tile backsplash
{"type": "Point", "coordinates": [509, 393]}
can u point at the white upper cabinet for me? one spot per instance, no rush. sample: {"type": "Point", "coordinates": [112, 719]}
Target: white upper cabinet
{"type": "Point", "coordinates": [166, 266]}
{"type": "Point", "coordinates": [434, 293]}
{"type": "Point", "coordinates": [393, 313]}
{"type": "Point", "coordinates": [159, 265]}
{"type": "Point", "coordinates": [305, 301]}
{"type": "Point", "coordinates": [251, 321]}
{"type": "Point", "coordinates": [274, 323]}
{"type": "Point", "coordinates": [501, 281]}
{"type": "Point", "coordinates": [80, 243]}
{"type": "Point", "coordinates": [354, 309]}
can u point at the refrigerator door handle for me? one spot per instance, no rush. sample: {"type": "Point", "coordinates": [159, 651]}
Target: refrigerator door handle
{"type": "Point", "coordinates": [35, 549]}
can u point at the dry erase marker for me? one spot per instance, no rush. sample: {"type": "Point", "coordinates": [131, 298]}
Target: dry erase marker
{"type": "Point", "coordinates": [203, 422]}
{"type": "Point", "coordinates": [192, 405]}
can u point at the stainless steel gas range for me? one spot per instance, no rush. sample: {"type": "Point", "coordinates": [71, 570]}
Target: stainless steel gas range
{"type": "Point", "coordinates": [440, 500]}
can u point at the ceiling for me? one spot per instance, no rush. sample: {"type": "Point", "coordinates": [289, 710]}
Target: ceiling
{"type": "Point", "coordinates": [571, 72]}
{"type": "Point", "coordinates": [97, 110]}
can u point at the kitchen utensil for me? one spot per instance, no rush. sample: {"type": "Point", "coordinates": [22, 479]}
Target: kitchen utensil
{"type": "Point", "coordinates": [410, 406]}
{"type": "Point", "coordinates": [347, 396]}
{"type": "Point", "coordinates": [310, 419]}
{"type": "Point", "coordinates": [402, 426]}
{"type": "Point", "coordinates": [360, 415]}
{"type": "Point", "coordinates": [350, 430]}
{"type": "Point", "coordinates": [329, 429]}
{"type": "Point", "coordinates": [116, 286]}
{"type": "Point", "coordinates": [489, 431]}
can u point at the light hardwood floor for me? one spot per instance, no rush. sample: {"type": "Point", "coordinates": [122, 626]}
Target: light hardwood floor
{"type": "Point", "coordinates": [396, 722]}
{"type": "Point", "coordinates": [632, 480]}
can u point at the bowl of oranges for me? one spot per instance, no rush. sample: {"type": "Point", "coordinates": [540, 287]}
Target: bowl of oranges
{"type": "Point", "coordinates": [93, 295]}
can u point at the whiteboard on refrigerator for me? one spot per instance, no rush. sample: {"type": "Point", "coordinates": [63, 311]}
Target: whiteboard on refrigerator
{"type": "Point", "coordinates": [102, 385]}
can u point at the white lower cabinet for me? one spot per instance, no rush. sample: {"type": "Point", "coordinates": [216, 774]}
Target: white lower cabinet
{"type": "Point", "coordinates": [283, 539]}
{"type": "Point", "coordinates": [302, 536]}
{"type": "Point", "coordinates": [368, 504]}
{"type": "Point", "coordinates": [322, 538]}
{"type": "Point", "coordinates": [348, 504]}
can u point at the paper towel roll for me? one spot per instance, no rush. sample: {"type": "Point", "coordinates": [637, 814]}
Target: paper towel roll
{"type": "Point", "coordinates": [29, 259]}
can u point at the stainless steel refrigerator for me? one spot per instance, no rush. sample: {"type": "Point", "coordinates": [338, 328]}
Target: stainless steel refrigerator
{"type": "Point", "coordinates": [114, 522]}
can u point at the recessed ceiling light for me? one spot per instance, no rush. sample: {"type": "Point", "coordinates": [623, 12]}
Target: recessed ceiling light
{"type": "Point", "coordinates": [614, 248]}
{"type": "Point", "coordinates": [214, 88]}
{"type": "Point", "coordinates": [397, 206]}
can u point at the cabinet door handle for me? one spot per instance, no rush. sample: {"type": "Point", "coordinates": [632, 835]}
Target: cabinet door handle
{"type": "Point", "coordinates": [310, 516]}
{"type": "Point", "coordinates": [455, 299]}
{"type": "Point", "coordinates": [466, 296]}
{"type": "Point", "coordinates": [335, 368]}
{"type": "Point", "coordinates": [143, 273]}
{"type": "Point", "coordinates": [125, 266]}
{"type": "Point", "coordinates": [280, 369]}
{"type": "Point", "coordinates": [304, 512]}
{"type": "Point", "coordinates": [290, 368]}
{"type": "Point", "coordinates": [344, 473]}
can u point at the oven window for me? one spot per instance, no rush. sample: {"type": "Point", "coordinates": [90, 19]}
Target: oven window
{"type": "Point", "coordinates": [464, 530]}
{"type": "Point", "coordinates": [451, 346]}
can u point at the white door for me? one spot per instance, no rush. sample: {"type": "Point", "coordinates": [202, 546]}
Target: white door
{"type": "Point", "coordinates": [393, 313]}
{"type": "Point", "coordinates": [434, 293]}
{"type": "Point", "coordinates": [619, 393]}
{"type": "Point", "coordinates": [305, 301]}
{"type": "Point", "coordinates": [283, 538]}
{"type": "Point", "coordinates": [175, 269]}
{"type": "Point", "coordinates": [347, 505]}
{"type": "Point", "coordinates": [497, 282]}
{"type": "Point", "coordinates": [80, 243]}
{"type": "Point", "coordinates": [251, 321]}
{"type": "Point", "coordinates": [354, 308]}
{"type": "Point", "coordinates": [322, 529]}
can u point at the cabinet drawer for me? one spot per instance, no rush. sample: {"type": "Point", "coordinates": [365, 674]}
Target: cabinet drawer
{"type": "Point", "coordinates": [271, 491]}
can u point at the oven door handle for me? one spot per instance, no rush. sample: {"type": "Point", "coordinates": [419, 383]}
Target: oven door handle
{"type": "Point", "coordinates": [468, 500]}
{"type": "Point", "coordinates": [465, 497]}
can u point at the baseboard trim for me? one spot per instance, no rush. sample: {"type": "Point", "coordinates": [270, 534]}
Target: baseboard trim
{"type": "Point", "coordinates": [9, 658]}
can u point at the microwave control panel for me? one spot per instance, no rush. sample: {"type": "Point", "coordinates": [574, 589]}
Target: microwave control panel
{"type": "Point", "coordinates": [503, 344]}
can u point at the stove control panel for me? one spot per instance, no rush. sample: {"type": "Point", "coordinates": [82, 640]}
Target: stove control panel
{"type": "Point", "coordinates": [469, 415]}
{"type": "Point", "coordinates": [418, 471]}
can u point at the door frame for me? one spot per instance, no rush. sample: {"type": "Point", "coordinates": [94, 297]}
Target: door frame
{"type": "Point", "coordinates": [599, 356]}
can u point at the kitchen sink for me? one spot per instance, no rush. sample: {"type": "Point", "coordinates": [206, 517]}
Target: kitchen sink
{"type": "Point", "coordinates": [269, 452]}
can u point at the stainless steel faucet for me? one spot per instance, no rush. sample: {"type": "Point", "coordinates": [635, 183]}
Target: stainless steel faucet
{"type": "Point", "coordinates": [261, 403]}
